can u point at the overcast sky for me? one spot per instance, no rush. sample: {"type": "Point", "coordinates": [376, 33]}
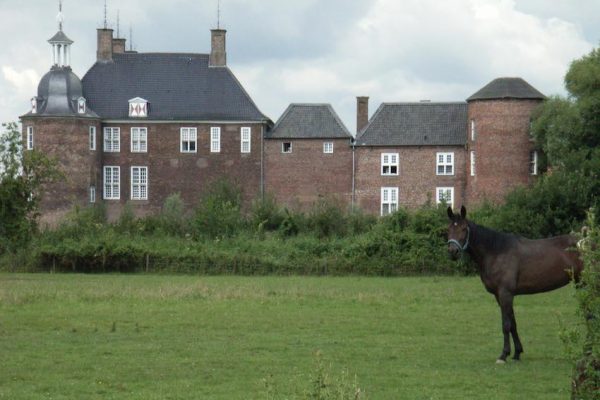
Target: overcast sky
{"type": "Point", "coordinates": [324, 51]}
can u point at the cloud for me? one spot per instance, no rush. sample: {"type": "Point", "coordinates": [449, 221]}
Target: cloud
{"type": "Point", "coordinates": [24, 81]}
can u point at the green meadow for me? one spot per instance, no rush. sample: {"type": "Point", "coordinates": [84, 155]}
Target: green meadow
{"type": "Point", "coordinates": [71, 336]}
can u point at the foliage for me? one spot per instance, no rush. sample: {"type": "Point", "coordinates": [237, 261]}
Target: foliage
{"type": "Point", "coordinates": [586, 377]}
{"type": "Point", "coordinates": [219, 211]}
{"type": "Point", "coordinates": [22, 175]}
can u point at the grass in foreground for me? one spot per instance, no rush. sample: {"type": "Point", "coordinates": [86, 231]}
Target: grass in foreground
{"type": "Point", "coordinates": [184, 337]}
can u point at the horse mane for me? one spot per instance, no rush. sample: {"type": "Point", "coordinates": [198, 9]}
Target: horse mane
{"type": "Point", "coordinates": [493, 241]}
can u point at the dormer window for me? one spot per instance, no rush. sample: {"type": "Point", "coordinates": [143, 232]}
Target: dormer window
{"type": "Point", "coordinates": [138, 107]}
{"type": "Point", "coordinates": [34, 105]}
{"type": "Point", "coordinates": [81, 105]}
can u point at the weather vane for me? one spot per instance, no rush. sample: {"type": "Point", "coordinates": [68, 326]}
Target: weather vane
{"type": "Point", "coordinates": [60, 18]}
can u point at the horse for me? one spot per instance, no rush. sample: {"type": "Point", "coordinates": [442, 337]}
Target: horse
{"type": "Point", "coordinates": [511, 265]}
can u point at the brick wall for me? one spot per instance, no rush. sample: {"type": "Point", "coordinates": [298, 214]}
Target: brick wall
{"type": "Point", "coordinates": [190, 174]}
{"type": "Point", "coordinates": [502, 146]}
{"type": "Point", "coordinates": [299, 178]}
{"type": "Point", "coordinates": [416, 180]}
{"type": "Point", "coordinates": [66, 140]}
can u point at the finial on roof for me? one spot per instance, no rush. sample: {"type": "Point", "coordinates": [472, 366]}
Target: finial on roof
{"type": "Point", "coordinates": [130, 38]}
{"type": "Point", "coordinates": [218, 13]}
{"type": "Point", "coordinates": [60, 18]}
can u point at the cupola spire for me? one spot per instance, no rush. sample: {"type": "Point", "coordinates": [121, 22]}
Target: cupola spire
{"type": "Point", "coordinates": [61, 44]}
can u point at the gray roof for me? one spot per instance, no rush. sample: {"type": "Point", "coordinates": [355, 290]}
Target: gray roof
{"type": "Point", "coordinates": [309, 121]}
{"type": "Point", "coordinates": [60, 37]}
{"type": "Point", "coordinates": [58, 93]}
{"type": "Point", "coordinates": [507, 88]}
{"type": "Point", "coordinates": [416, 124]}
{"type": "Point", "coordinates": [177, 86]}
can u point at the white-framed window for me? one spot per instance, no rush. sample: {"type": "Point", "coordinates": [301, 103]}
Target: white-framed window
{"type": "Point", "coordinates": [112, 183]}
{"type": "Point", "coordinates": [328, 147]}
{"type": "Point", "coordinates": [389, 200]}
{"type": "Point", "coordinates": [30, 138]}
{"type": "Point", "coordinates": [245, 139]}
{"type": "Point", "coordinates": [389, 163]}
{"type": "Point", "coordinates": [139, 183]}
{"type": "Point", "coordinates": [92, 131]}
{"type": "Point", "coordinates": [188, 140]}
{"type": "Point", "coordinates": [472, 163]}
{"type": "Point", "coordinates": [445, 164]}
{"type": "Point", "coordinates": [139, 140]}
{"type": "Point", "coordinates": [112, 139]}
{"type": "Point", "coordinates": [533, 162]}
{"type": "Point", "coordinates": [81, 105]}
{"type": "Point", "coordinates": [473, 130]}
{"type": "Point", "coordinates": [286, 147]}
{"type": "Point", "coordinates": [138, 107]}
{"type": "Point", "coordinates": [92, 194]}
{"type": "Point", "coordinates": [215, 139]}
{"type": "Point", "coordinates": [444, 195]}
{"type": "Point", "coordinates": [34, 105]}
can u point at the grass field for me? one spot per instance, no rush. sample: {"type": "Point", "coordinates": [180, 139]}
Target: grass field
{"type": "Point", "coordinates": [187, 337]}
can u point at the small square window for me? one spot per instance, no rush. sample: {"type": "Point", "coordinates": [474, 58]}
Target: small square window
{"type": "Point", "coordinates": [445, 164]}
{"type": "Point", "coordinates": [328, 147]}
{"type": "Point", "coordinates": [286, 147]}
{"type": "Point", "coordinates": [445, 195]}
{"type": "Point", "coordinates": [389, 163]}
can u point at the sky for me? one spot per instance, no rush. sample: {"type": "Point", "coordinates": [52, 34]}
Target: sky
{"type": "Point", "coordinates": [318, 51]}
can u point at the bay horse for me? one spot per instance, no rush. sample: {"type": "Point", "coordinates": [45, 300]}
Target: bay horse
{"type": "Point", "coordinates": [510, 265]}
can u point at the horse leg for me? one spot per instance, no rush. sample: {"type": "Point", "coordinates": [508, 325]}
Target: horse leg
{"type": "Point", "coordinates": [505, 300]}
{"type": "Point", "coordinates": [515, 336]}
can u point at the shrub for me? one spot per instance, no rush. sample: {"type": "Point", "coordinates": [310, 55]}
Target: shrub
{"type": "Point", "coordinates": [327, 219]}
{"type": "Point", "coordinates": [219, 212]}
{"type": "Point", "coordinates": [265, 214]}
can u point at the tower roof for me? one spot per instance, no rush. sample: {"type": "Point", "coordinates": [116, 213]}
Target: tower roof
{"type": "Point", "coordinates": [60, 38]}
{"type": "Point", "coordinates": [507, 88]}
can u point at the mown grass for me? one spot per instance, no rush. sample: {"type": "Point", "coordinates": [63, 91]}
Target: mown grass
{"type": "Point", "coordinates": [186, 337]}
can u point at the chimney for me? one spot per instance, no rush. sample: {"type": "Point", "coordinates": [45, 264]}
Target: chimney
{"type": "Point", "coordinates": [118, 46]}
{"type": "Point", "coordinates": [105, 45]}
{"type": "Point", "coordinates": [362, 112]}
{"type": "Point", "coordinates": [218, 56]}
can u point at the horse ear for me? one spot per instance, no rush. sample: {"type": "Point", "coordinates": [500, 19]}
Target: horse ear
{"type": "Point", "coordinates": [450, 213]}
{"type": "Point", "coordinates": [463, 212]}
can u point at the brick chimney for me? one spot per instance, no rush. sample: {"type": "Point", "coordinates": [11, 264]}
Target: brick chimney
{"type": "Point", "coordinates": [105, 45]}
{"type": "Point", "coordinates": [218, 55]}
{"type": "Point", "coordinates": [362, 112]}
{"type": "Point", "coordinates": [118, 46]}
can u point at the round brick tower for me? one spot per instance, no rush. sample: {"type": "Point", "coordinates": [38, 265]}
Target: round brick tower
{"type": "Point", "coordinates": [60, 125]}
{"type": "Point", "coordinates": [500, 150]}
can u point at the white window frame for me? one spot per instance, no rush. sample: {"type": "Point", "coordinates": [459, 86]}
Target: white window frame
{"type": "Point", "coordinates": [533, 162]}
{"type": "Point", "coordinates": [328, 147]}
{"type": "Point", "coordinates": [139, 184]}
{"type": "Point", "coordinates": [112, 139]}
{"type": "Point", "coordinates": [473, 130]}
{"type": "Point", "coordinates": [283, 147]}
{"type": "Point", "coordinates": [81, 105]}
{"type": "Point", "coordinates": [29, 138]}
{"type": "Point", "coordinates": [245, 139]}
{"type": "Point", "coordinates": [472, 162]}
{"type": "Point", "coordinates": [139, 139]}
{"type": "Point", "coordinates": [92, 131]}
{"type": "Point", "coordinates": [441, 160]}
{"type": "Point", "coordinates": [188, 135]}
{"type": "Point", "coordinates": [112, 185]}
{"type": "Point", "coordinates": [389, 162]}
{"type": "Point", "coordinates": [92, 194]}
{"type": "Point", "coordinates": [389, 198]}
{"type": "Point", "coordinates": [444, 191]}
{"type": "Point", "coordinates": [215, 139]}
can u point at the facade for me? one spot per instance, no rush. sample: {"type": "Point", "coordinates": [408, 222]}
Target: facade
{"type": "Point", "coordinates": [141, 126]}
{"type": "Point", "coordinates": [308, 157]}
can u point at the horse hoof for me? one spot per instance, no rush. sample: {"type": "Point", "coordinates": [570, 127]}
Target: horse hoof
{"type": "Point", "coordinates": [500, 361]}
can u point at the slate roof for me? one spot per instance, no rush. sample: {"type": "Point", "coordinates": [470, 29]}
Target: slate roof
{"type": "Point", "coordinates": [416, 124]}
{"type": "Point", "coordinates": [178, 86]}
{"type": "Point", "coordinates": [507, 88]}
{"type": "Point", "coordinates": [60, 37]}
{"type": "Point", "coordinates": [309, 121]}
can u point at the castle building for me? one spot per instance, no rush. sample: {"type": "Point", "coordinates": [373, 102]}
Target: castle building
{"type": "Point", "coordinates": [139, 127]}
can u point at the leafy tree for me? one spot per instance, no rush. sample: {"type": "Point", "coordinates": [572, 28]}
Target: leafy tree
{"type": "Point", "coordinates": [22, 175]}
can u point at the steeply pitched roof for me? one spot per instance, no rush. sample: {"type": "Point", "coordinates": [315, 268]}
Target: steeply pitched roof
{"type": "Point", "coordinates": [507, 88]}
{"type": "Point", "coordinates": [309, 121]}
{"type": "Point", "coordinates": [178, 86]}
{"type": "Point", "coordinates": [416, 124]}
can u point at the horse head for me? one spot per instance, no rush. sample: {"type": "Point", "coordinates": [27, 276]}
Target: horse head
{"type": "Point", "coordinates": [458, 233]}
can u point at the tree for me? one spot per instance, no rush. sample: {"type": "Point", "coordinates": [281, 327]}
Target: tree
{"type": "Point", "coordinates": [22, 175]}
